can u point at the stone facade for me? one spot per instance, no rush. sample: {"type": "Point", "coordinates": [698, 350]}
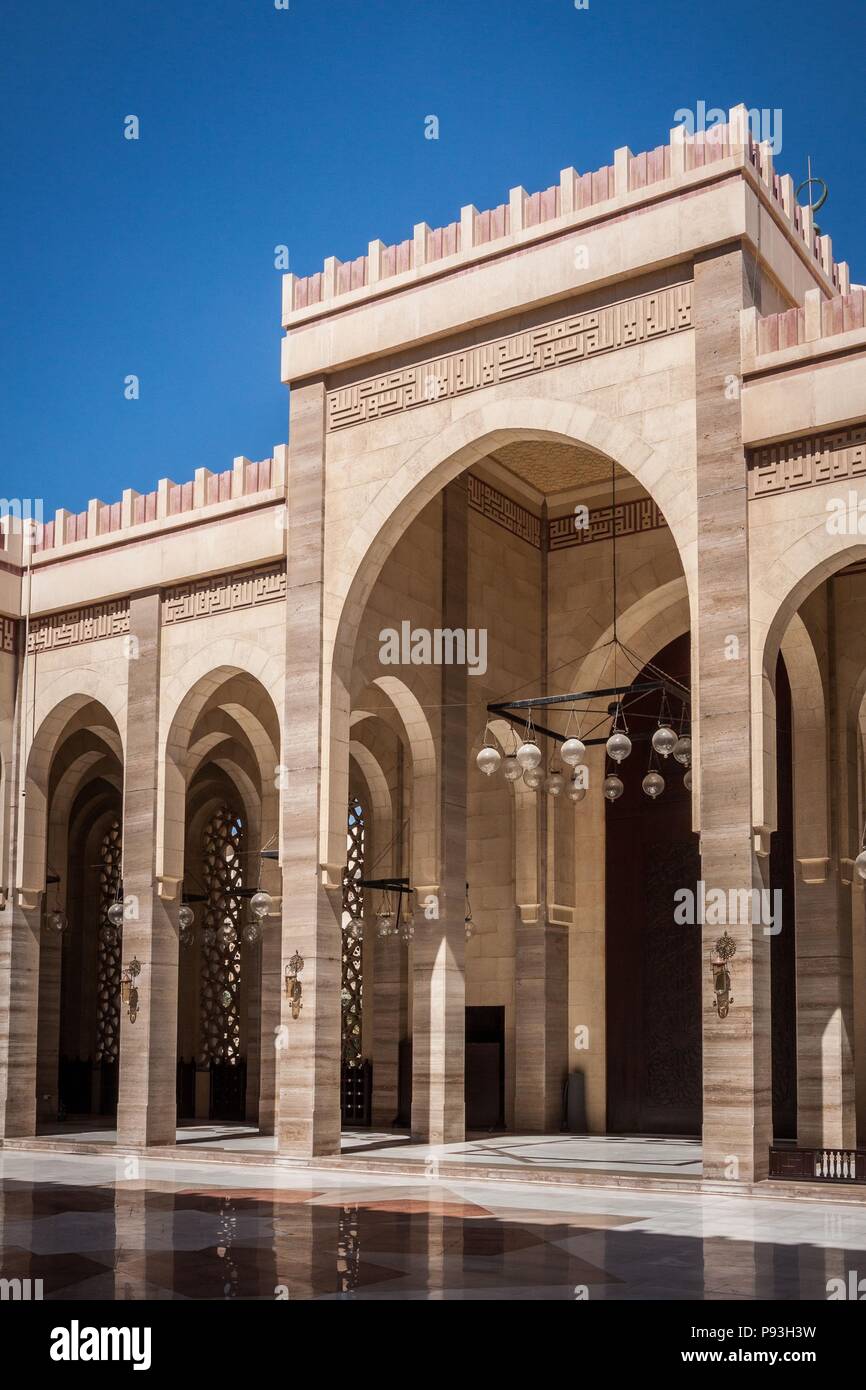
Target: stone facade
{"type": "Point", "coordinates": [670, 325]}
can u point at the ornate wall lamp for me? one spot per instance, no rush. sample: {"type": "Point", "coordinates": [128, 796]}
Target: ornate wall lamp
{"type": "Point", "coordinates": [294, 988]}
{"type": "Point", "coordinates": [129, 989]}
{"type": "Point", "coordinates": [725, 948]}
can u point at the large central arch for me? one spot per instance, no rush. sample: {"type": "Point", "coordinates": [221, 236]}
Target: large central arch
{"type": "Point", "coordinates": [352, 570]}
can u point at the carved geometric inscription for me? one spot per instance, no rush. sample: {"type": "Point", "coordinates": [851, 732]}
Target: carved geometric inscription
{"type": "Point", "coordinates": [807, 462]}
{"type": "Point", "coordinates": [571, 339]}
{"type": "Point", "coordinates": [81, 625]}
{"type": "Point", "coordinates": [494, 504]}
{"type": "Point", "coordinates": [602, 523]}
{"type": "Point", "coordinates": [625, 519]}
{"type": "Point", "coordinates": [223, 593]}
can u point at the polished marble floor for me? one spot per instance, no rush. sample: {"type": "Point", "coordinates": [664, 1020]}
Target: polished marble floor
{"type": "Point", "coordinates": [548, 1152]}
{"type": "Point", "coordinates": [534, 1152]}
{"type": "Point", "coordinates": [125, 1228]}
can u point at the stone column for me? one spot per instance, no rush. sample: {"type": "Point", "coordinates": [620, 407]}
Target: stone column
{"type": "Point", "coordinates": [146, 1109]}
{"type": "Point", "coordinates": [19, 994]}
{"type": "Point", "coordinates": [737, 1118]}
{"type": "Point", "coordinates": [858, 937]}
{"type": "Point", "coordinates": [253, 1034]}
{"type": "Point", "coordinates": [587, 947]}
{"type": "Point", "coordinates": [439, 948]}
{"type": "Point", "coordinates": [270, 1008]}
{"type": "Point", "coordinates": [389, 988]}
{"type": "Point", "coordinates": [48, 1043]}
{"type": "Point", "coordinates": [541, 989]}
{"type": "Point", "coordinates": [541, 949]}
{"type": "Point", "coordinates": [826, 1113]}
{"type": "Point", "coordinates": [825, 1025]}
{"type": "Point", "coordinates": [388, 994]}
{"type": "Point", "coordinates": [308, 1055]}
{"type": "Point", "coordinates": [388, 998]}
{"type": "Point", "coordinates": [19, 935]}
{"type": "Point", "coordinates": [270, 990]}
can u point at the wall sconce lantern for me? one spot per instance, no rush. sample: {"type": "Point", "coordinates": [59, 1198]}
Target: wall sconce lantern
{"type": "Point", "coordinates": [128, 988]}
{"type": "Point", "coordinates": [725, 948]}
{"type": "Point", "coordinates": [294, 987]}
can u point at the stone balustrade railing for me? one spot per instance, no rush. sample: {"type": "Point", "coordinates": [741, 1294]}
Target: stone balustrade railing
{"type": "Point", "coordinates": [601, 190]}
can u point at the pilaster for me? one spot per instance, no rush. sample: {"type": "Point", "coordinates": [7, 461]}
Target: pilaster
{"type": "Point", "coordinates": [308, 1051]}
{"type": "Point", "coordinates": [439, 985]}
{"type": "Point", "coordinates": [146, 1109]}
{"type": "Point", "coordinates": [737, 1120]}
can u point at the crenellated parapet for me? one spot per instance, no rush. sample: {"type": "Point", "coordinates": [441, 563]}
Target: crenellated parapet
{"type": "Point", "coordinates": [137, 510]}
{"type": "Point", "coordinates": [817, 318]}
{"type": "Point", "coordinates": [804, 393]}
{"type": "Point", "coordinates": [632, 180]}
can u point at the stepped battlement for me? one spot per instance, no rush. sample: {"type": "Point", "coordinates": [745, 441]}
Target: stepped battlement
{"type": "Point", "coordinates": [685, 161]}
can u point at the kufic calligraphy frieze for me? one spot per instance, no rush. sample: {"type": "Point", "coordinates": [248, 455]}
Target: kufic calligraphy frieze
{"type": "Point", "coordinates": [831, 457]}
{"type": "Point", "coordinates": [224, 593]}
{"type": "Point", "coordinates": [571, 339]}
{"type": "Point", "coordinates": [92, 624]}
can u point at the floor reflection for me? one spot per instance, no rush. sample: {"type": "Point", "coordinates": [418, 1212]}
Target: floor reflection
{"type": "Point", "coordinates": [147, 1239]}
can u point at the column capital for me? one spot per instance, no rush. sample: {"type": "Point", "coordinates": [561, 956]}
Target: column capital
{"type": "Point", "coordinates": [558, 915]}
{"type": "Point", "coordinates": [813, 870]}
{"type": "Point", "coordinates": [331, 876]}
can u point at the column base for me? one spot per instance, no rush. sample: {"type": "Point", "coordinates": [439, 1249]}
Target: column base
{"type": "Point", "coordinates": [302, 1141]}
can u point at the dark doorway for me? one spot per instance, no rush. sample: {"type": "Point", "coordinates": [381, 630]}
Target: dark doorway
{"type": "Point", "coordinates": [485, 1067]}
{"type": "Point", "coordinates": [228, 1089]}
{"type": "Point", "coordinates": [653, 965]}
{"type": "Point", "coordinates": [404, 1084]}
{"type": "Point", "coordinates": [783, 953]}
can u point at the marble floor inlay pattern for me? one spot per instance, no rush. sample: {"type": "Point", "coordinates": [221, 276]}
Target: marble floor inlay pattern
{"type": "Point", "coordinates": [105, 1227]}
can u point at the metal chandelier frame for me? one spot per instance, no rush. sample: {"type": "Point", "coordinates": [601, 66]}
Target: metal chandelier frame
{"type": "Point", "coordinates": [621, 706]}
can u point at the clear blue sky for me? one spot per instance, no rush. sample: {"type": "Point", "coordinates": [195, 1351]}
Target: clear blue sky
{"type": "Point", "coordinates": [306, 127]}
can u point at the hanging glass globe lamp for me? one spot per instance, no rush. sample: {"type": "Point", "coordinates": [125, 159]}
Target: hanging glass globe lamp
{"type": "Point", "coordinates": [612, 787]}
{"type": "Point", "coordinates": [618, 746]}
{"type": "Point", "coordinates": [653, 784]}
{"type": "Point", "coordinates": [528, 755]}
{"type": "Point", "coordinates": [573, 751]}
{"type": "Point", "coordinates": [664, 741]}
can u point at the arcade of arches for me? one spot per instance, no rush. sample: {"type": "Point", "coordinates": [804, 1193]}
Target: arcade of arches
{"type": "Point", "coordinates": [233, 711]}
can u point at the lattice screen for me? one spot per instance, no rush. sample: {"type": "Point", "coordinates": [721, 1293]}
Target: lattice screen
{"type": "Point", "coordinates": [108, 950]}
{"type": "Point", "coordinates": [221, 959]}
{"type": "Point", "coordinates": [353, 906]}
